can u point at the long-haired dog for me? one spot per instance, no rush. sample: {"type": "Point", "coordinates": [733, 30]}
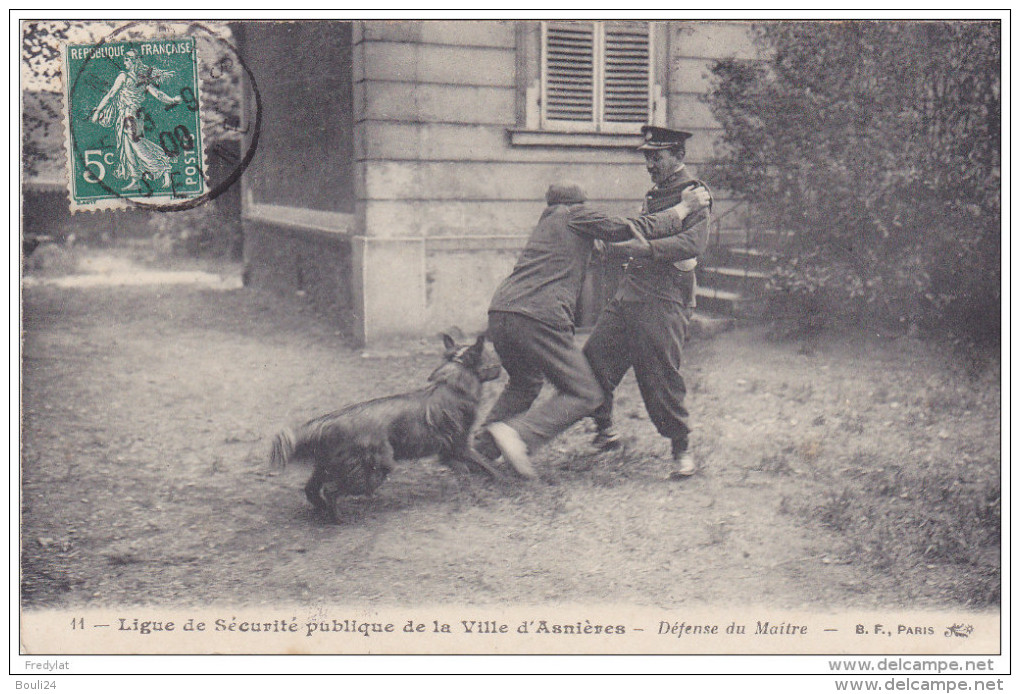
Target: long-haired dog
{"type": "Point", "coordinates": [353, 449]}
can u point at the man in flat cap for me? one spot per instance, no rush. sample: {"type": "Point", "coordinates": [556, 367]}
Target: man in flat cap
{"type": "Point", "coordinates": [646, 323]}
{"type": "Point", "coordinates": [531, 319]}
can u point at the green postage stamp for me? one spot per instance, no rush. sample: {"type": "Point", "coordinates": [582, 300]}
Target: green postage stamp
{"type": "Point", "coordinates": [133, 124]}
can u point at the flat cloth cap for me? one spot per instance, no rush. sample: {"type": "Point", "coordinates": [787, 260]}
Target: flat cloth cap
{"type": "Point", "coordinates": [661, 138]}
{"type": "Point", "coordinates": [565, 194]}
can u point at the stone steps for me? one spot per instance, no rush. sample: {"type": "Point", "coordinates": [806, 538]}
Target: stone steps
{"type": "Point", "coordinates": [741, 257]}
{"type": "Point", "coordinates": [733, 277]}
{"type": "Point", "coordinates": [751, 282]}
{"type": "Point", "coordinates": [727, 304]}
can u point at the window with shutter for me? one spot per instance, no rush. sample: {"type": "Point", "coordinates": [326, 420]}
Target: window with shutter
{"type": "Point", "coordinates": [596, 76]}
{"type": "Point", "coordinates": [569, 72]}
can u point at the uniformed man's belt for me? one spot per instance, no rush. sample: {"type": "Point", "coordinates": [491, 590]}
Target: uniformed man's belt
{"type": "Point", "coordinates": [682, 265]}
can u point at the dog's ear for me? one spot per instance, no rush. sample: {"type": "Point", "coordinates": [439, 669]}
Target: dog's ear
{"type": "Point", "coordinates": [478, 346]}
{"type": "Point", "coordinates": [448, 342]}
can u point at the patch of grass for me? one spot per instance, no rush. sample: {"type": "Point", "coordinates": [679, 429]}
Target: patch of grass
{"type": "Point", "coordinates": [802, 393]}
{"type": "Point", "coordinates": [790, 459]}
{"type": "Point", "coordinates": [903, 519]}
{"type": "Point", "coordinates": [853, 423]}
{"type": "Point", "coordinates": [777, 463]}
{"type": "Point", "coordinates": [958, 395]}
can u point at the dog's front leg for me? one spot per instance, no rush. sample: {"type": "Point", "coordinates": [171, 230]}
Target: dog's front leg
{"type": "Point", "coordinates": [473, 457]}
{"type": "Point", "coordinates": [454, 463]}
{"type": "Point", "coordinates": [313, 489]}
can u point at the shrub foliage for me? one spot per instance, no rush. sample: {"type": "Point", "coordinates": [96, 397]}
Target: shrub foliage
{"type": "Point", "coordinates": [876, 147]}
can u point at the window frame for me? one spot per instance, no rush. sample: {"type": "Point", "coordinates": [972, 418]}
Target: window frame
{"type": "Point", "coordinates": [598, 123]}
{"type": "Point", "coordinates": [529, 131]}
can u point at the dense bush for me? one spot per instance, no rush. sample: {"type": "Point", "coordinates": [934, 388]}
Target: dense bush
{"type": "Point", "coordinates": [876, 145]}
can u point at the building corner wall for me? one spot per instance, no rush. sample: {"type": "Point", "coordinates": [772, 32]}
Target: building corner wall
{"type": "Point", "coordinates": [388, 287]}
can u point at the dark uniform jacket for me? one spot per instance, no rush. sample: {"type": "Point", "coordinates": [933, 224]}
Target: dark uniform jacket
{"type": "Point", "coordinates": [546, 281]}
{"type": "Point", "coordinates": [669, 273]}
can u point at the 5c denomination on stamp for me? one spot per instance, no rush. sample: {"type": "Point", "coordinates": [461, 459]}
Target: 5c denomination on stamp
{"type": "Point", "coordinates": [134, 130]}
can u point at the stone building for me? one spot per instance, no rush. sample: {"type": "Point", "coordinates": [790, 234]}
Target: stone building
{"type": "Point", "coordinates": [401, 165]}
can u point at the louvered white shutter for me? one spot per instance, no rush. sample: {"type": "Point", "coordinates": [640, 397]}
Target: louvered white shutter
{"type": "Point", "coordinates": [569, 75]}
{"type": "Point", "coordinates": [626, 82]}
{"type": "Point", "coordinates": [596, 76]}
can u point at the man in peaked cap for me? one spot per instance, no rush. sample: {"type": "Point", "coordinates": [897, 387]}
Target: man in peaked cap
{"type": "Point", "coordinates": [531, 320]}
{"type": "Point", "coordinates": [646, 323]}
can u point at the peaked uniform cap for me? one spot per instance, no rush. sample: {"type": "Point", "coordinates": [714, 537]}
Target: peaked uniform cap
{"type": "Point", "coordinates": [661, 138]}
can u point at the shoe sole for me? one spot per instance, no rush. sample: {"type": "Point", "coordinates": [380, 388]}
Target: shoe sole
{"type": "Point", "coordinates": [520, 463]}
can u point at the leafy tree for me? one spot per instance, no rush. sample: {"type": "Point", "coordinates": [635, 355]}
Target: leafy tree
{"type": "Point", "coordinates": [876, 145]}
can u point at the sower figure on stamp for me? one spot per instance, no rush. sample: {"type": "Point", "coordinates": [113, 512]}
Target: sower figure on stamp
{"type": "Point", "coordinates": [531, 320]}
{"type": "Point", "coordinates": [646, 323]}
{"type": "Point", "coordinates": [137, 156]}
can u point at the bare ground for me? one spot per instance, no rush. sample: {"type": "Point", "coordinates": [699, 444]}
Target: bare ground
{"type": "Point", "coordinates": [147, 413]}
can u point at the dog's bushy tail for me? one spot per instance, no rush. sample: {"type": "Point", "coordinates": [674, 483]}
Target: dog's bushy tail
{"type": "Point", "coordinates": [283, 449]}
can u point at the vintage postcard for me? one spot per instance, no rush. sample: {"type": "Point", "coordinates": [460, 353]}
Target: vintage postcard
{"type": "Point", "coordinates": [649, 335]}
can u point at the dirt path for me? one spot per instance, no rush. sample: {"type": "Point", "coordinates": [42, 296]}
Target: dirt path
{"type": "Point", "coordinates": [147, 412]}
